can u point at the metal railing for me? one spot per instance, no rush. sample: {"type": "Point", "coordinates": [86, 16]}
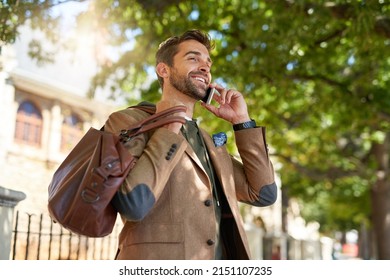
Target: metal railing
{"type": "Point", "coordinates": [37, 237]}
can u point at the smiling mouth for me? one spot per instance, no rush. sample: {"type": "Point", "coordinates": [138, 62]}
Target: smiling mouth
{"type": "Point", "coordinates": [203, 80]}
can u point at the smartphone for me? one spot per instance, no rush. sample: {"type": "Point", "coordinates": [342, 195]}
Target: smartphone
{"type": "Point", "coordinates": [209, 95]}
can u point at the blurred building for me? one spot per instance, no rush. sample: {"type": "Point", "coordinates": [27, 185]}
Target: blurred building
{"type": "Point", "coordinates": [42, 120]}
{"type": "Point", "coordinates": [45, 113]}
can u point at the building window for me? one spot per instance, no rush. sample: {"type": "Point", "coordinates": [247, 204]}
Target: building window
{"type": "Point", "coordinates": [28, 128]}
{"type": "Point", "coordinates": [72, 131]}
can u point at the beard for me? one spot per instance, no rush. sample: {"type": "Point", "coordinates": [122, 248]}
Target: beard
{"type": "Point", "coordinates": [185, 85]}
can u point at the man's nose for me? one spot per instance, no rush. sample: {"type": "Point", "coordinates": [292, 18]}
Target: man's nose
{"type": "Point", "coordinates": [204, 68]}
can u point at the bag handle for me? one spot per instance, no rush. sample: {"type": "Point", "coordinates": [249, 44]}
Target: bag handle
{"type": "Point", "coordinates": [154, 121]}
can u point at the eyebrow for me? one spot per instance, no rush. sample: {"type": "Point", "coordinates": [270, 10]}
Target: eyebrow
{"type": "Point", "coordinates": [198, 54]}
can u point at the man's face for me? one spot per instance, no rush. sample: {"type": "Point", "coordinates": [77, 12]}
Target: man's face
{"type": "Point", "coordinates": [190, 73]}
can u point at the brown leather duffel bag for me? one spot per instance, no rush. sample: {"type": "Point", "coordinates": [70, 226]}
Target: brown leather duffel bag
{"type": "Point", "coordinates": [83, 186]}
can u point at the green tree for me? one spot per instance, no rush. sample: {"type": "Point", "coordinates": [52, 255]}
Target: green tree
{"type": "Point", "coordinates": [316, 73]}
{"type": "Point", "coordinates": [15, 13]}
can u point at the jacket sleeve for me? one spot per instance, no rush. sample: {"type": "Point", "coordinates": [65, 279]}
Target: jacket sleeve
{"type": "Point", "coordinates": [254, 177]}
{"type": "Point", "coordinates": [158, 153]}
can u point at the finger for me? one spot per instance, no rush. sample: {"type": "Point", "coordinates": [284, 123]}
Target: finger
{"type": "Point", "coordinates": [218, 87]}
{"type": "Point", "coordinates": [221, 92]}
{"type": "Point", "coordinates": [225, 96]}
{"type": "Point", "coordinates": [210, 108]}
{"type": "Point", "coordinates": [230, 94]}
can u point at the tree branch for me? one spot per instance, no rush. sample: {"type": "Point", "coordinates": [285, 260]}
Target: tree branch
{"type": "Point", "coordinates": [331, 173]}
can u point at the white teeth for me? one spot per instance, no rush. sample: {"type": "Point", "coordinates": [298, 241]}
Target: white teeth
{"type": "Point", "coordinates": [200, 79]}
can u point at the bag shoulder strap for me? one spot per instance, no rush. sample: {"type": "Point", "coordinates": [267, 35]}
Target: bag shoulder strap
{"type": "Point", "coordinates": [153, 121]}
{"type": "Point", "coordinates": [144, 106]}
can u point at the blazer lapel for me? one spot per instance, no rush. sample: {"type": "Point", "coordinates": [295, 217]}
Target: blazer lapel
{"type": "Point", "coordinates": [191, 153]}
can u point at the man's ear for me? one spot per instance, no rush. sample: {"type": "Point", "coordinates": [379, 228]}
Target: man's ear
{"type": "Point", "coordinates": [162, 70]}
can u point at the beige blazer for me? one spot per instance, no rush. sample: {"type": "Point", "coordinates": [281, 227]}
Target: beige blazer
{"type": "Point", "coordinates": [165, 200]}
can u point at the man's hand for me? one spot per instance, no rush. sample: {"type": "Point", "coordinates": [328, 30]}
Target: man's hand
{"type": "Point", "coordinates": [232, 106]}
{"type": "Point", "coordinates": [163, 105]}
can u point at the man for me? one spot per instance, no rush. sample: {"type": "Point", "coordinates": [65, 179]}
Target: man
{"type": "Point", "coordinates": [180, 199]}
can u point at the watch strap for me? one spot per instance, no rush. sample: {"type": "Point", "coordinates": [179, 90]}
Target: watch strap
{"type": "Point", "coordinates": [244, 125]}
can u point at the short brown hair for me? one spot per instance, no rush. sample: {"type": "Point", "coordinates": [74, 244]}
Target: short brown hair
{"type": "Point", "coordinates": [169, 48]}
